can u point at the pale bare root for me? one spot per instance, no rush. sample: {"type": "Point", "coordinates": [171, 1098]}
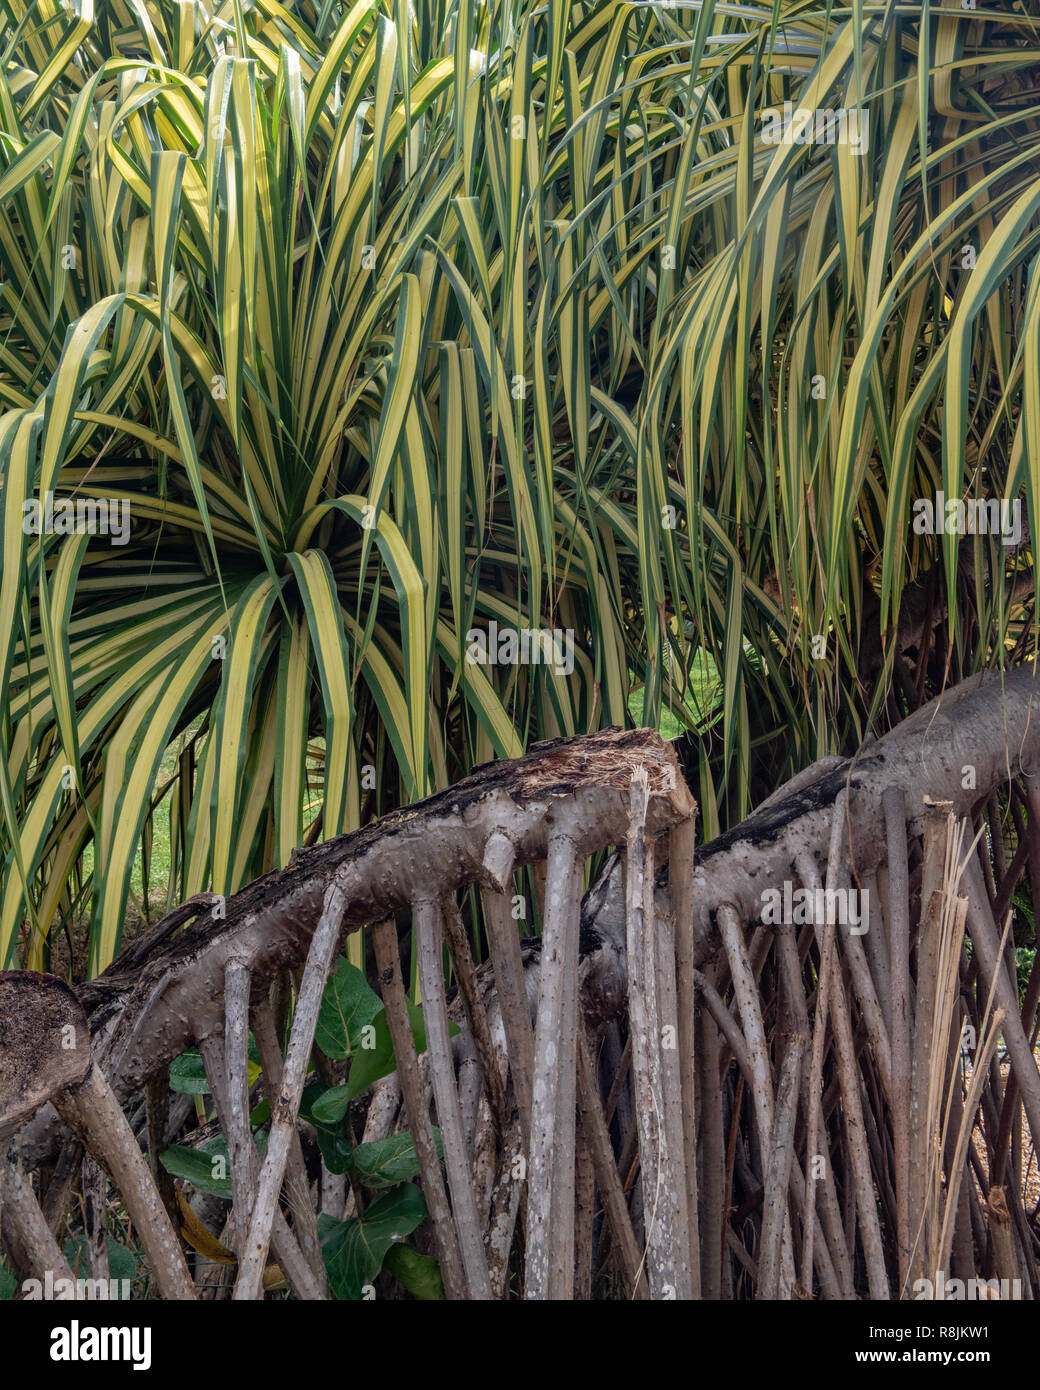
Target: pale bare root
{"type": "Point", "coordinates": [672, 1093]}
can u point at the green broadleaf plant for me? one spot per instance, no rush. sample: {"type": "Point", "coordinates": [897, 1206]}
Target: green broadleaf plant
{"type": "Point", "coordinates": [354, 1249]}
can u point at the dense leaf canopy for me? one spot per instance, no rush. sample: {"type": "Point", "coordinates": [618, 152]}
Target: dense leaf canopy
{"type": "Point", "coordinates": [394, 320]}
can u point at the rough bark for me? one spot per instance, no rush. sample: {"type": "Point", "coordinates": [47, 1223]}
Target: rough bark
{"type": "Point", "coordinates": [615, 965]}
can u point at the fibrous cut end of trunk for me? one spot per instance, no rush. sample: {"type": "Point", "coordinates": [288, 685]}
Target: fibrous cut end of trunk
{"type": "Point", "coordinates": [44, 1043]}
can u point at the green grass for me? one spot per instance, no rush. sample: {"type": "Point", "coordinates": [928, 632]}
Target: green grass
{"type": "Point", "coordinates": [701, 705]}
{"type": "Point", "coordinates": [160, 864]}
